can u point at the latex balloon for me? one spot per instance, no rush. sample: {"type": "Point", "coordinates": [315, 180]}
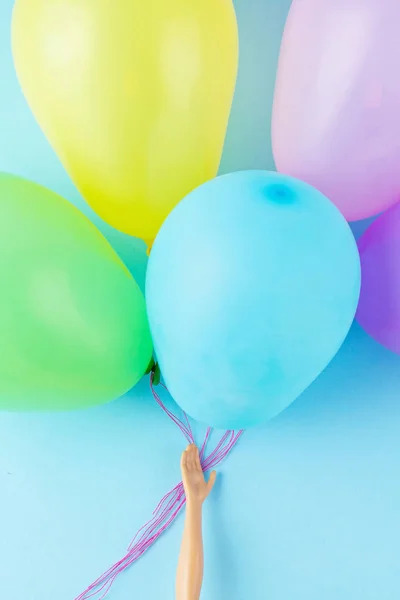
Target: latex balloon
{"type": "Point", "coordinates": [379, 309]}
{"type": "Point", "coordinates": [73, 323]}
{"type": "Point", "coordinates": [134, 97]}
{"type": "Point", "coordinates": [335, 117]}
{"type": "Point", "coordinates": [252, 285]}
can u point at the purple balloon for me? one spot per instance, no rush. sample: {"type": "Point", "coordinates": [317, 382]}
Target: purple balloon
{"type": "Point", "coordinates": [336, 109]}
{"type": "Point", "coordinates": [379, 308]}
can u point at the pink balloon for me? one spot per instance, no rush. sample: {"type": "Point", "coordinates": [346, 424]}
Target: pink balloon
{"type": "Point", "coordinates": [336, 110]}
{"type": "Point", "coordinates": [379, 308]}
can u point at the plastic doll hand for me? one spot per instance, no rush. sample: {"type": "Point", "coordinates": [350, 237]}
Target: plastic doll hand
{"type": "Point", "coordinates": [196, 487]}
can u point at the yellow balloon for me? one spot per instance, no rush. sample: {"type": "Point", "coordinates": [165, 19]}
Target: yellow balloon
{"type": "Point", "coordinates": [134, 96]}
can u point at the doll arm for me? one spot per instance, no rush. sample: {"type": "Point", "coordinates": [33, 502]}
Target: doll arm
{"type": "Point", "coordinates": [191, 561]}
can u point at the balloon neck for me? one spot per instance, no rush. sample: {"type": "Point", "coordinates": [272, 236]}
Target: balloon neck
{"type": "Point", "coordinates": [154, 370]}
{"type": "Point", "coordinates": [150, 366]}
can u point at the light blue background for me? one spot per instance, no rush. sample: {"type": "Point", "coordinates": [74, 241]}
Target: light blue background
{"type": "Point", "coordinates": [306, 508]}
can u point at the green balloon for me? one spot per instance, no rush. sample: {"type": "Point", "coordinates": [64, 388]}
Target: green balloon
{"type": "Point", "coordinates": [73, 324]}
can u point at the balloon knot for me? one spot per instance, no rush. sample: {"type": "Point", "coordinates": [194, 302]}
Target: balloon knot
{"type": "Point", "coordinates": [155, 374]}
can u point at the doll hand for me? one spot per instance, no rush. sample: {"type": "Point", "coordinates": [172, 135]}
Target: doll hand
{"type": "Point", "coordinates": [196, 488]}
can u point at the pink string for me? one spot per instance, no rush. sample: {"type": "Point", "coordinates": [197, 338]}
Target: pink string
{"type": "Point", "coordinates": [169, 506]}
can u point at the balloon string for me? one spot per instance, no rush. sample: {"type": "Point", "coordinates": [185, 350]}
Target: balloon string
{"type": "Point", "coordinates": [169, 506]}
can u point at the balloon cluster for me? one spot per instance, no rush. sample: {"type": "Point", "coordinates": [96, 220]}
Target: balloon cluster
{"type": "Point", "coordinates": [253, 279]}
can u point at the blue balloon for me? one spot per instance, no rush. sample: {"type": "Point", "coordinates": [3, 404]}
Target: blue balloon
{"type": "Point", "coordinates": [252, 286]}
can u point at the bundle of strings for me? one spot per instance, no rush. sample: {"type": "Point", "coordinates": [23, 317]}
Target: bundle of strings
{"type": "Point", "coordinates": [167, 509]}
